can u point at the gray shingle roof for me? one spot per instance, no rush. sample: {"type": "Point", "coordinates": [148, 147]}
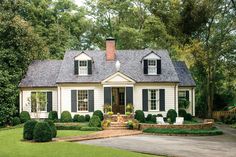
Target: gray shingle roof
{"type": "Point", "coordinates": [183, 74]}
{"type": "Point", "coordinates": [131, 66]}
{"type": "Point", "coordinates": [41, 74]}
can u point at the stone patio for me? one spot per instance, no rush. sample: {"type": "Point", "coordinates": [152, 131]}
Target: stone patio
{"type": "Point", "coordinates": [100, 135]}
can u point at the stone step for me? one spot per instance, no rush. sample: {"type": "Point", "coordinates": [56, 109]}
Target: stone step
{"type": "Point", "coordinates": [115, 124]}
{"type": "Point", "coordinates": [116, 128]}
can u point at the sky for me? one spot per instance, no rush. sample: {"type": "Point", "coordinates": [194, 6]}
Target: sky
{"type": "Point", "coordinates": [79, 2]}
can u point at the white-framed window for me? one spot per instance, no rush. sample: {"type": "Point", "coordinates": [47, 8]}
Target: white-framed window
{"type": "Point", "coordinates": [152, 67]}
{"type": "Point", "coordinates": [153, 99]}
{"type": "Point", "coordinates": [83, 67]}
{"type": "Point", "coordinates": [39, 102]}
{"type": "Point", "coordinates": [83, 100]}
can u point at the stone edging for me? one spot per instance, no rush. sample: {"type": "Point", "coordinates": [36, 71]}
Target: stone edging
{"type": "Point", "coordinates": [183, 126]}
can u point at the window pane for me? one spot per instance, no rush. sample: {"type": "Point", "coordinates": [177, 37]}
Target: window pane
{"type": "Point", "coordinates": [153, 99]}
{"type": "Point", "coordinates": [83, 68]}
{"type": "Point", "coordinates": [42, 101]}
{"type": "Point", "coordinates": [82, 100]}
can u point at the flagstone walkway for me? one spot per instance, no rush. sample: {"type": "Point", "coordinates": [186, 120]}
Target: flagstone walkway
{"type": "Point", "coordinates": [99, 135]}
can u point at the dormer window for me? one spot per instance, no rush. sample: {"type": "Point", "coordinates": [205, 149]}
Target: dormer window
{"type": "Point", "coordinates": [152, 64]}
{"type": "Point", "coordinates": [152, 67]}
{"type": "Point", "coordinates": [83, 65]}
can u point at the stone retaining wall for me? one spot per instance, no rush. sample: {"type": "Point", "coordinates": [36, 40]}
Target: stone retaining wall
{"type": "Point", "coordinates": [184, 126]}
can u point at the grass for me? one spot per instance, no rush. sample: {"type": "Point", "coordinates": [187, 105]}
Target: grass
{"type": "Point", "coordinates": [12, 146]}
{"type": "Point", "coordinates": [213, 131]}
{"type": "Point", "coordinates": [66, 133]}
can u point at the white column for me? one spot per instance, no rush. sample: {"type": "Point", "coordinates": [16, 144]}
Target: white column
{"type": "Point", "coordinates": [193, 90]}
{"type": "Point", "coordinates": [59, 101]}
{"type": "Point", "coordinates": [20, 101]}
{"type": "Point", "coordinates": [176, 99]}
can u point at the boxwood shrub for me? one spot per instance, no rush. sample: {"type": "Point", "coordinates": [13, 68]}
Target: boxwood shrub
{"type": "Point", "coordinates": [42, 132]}
{"type": "Point", "coordinates": [154, 118]}
{"type": "Point", "coordinates": [182, 113]}
{"type": "Point", "coordinates": [16, 121]}
{"type": "Point", "coordinates": [99, 114]}
{"type": "Point", "coordinates": [66, 127]}
{"type": "Point", "coordinates": [29, 129]}
{"type": "Point", "coordinates": [171, 114]}
{"type": "Point", "coordinates": [139, 115]}
{"type": "Point", "coordinates": [75, 118]}
{"type": "Point", "coordinates": [81, 118]}
{"type": "Point", "coordinates": [24, 116]}
{"type": "Point", "coordinates": [66, 116]}
{"type": "Point", "coordinates": [87, 117]}
{"type": "Point", "coordinates": [53, 128]}
{"type": "Point", "coordinates": [91, 129]}
{"type": "Point", "coordinates": [53, 116]}
{"type": "Point", "coordinates": [188, 117]}
{"type": "Point", "coordinates": [95, 121]}
{"type": "Point", "coordinates": [149, 117]}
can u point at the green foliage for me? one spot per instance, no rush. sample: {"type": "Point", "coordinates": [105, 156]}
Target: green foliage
{"type": "Point", "coordinates": [53, 116]}
{"type": "Point", "coordinates": [95, 121]}
{"type": "Point", "coordinates": [159, 115]}
{"type": "Point", "coordinates": [183, 103]}
{"type": "Point", "coordinates": [154, 118]}
{"type": "Point", "coordinates": [28, 131]}
{"type": "Point", "coordinates": [171, 115]}
{"type": "Point", "coordinates": [68, 127]}
{"type": "Point", "coordinates": [130, 108]}
{"type": "Point", "coordinates": [182, 112]}
{"type": "Point", "coordinates": [139, 115]}
{"type": "Point", "coordinates": [24, 116]}
{"type": "Point", "coordinates": [53, 128]}
{"type": "Point", "coordinates": [149, 117]}
{"type": "Point", "coordinates": [106, 123]}
{"type": "Point", "coordinates": [213, 131]}
{"type": "Point", "coordinates": [16, 121]}
{"type": "Point", "coordinates": [87, 117]}
{"type": "Point", "coordinates": [81, 118]}
{"type": "Point", "coordinates": [99, 114]}
{"type": "Point", "coordinates": [107, 108]}
{"type": "Point", "coordinates": [66, 116]}
{"type": "Point", "coordinates": [75, 118]}
{"type": "Point", "coordinates": [42, 132]}
{"type": "Point", "coordinates": [91, 129]}
{"type": "Point", "coordinates": [133, 124]}
{"type": "Point", "coordinates": [188, 117]}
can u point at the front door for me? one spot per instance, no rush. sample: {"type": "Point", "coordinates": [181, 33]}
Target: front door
{"type": "Point", "coordinates": [118, 100]}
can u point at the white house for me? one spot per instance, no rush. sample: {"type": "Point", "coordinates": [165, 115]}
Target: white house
{"type": "Point", "coordinates": [86, 80]}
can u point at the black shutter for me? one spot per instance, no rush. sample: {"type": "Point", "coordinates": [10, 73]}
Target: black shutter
{"type": "Point", "coordinates": [33, 102]}
{"type": "Point", "coordinates": [162, 99]}
{"type": "Point", "coordinates": [145, 66]}
{"type": "Point", "coordinates": [158, 66]}
{"type": "Point", "coordinates": [129, 95]}
{"type": "Point", "coordinates": [89, 67]}
{"type": "Point", "coordinates": [91, 100]}
{"type": "Point", "coordinates": [107, 95]}
{"type": "Point", "coordinates": [49, 100]}
{"type": "Point", "coordinates": [73, 101]}
{"type": "Point", "coordinates": [187, 95]}
{"type": "Point", "coordinates": [76, 68]}
{"type": "Point", "coordinates": [145, 99]}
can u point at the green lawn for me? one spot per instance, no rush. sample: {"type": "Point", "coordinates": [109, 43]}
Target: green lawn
{"type": "Point", "coordinates": [64, 133]}
{"type": "Point", "coordinates": [12, 146]}
{"type": "Point", "coordinates": [233, 126]}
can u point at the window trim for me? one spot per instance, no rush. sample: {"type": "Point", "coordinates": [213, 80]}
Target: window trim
{"type": "Point", "coordinates": [77, 102]}
{"type": "Point", "coordinates": [37, 103]}
{"type": "Point", "coordinates": [152, 66]}
{"type": "Point", "coordinates": [157, 100]}
{"type": "Point", "coordinates": [79, 71]}
{"type": "Point", "coordinates": [183, 91]}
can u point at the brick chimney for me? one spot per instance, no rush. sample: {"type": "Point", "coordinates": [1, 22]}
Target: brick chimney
{"type": "Point", "coordinates": [110, 49]}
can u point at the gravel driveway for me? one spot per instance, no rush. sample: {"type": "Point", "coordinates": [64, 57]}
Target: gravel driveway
{"type": "Point", "coordinates": [178, 146]}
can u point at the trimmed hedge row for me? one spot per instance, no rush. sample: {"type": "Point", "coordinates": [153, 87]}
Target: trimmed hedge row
{"type": "Point", "coordinates": [213, 131]}
{"type": "Point", "coordinates": [65, 127]}
{"type": "Point", "coordinates": [91, 129]}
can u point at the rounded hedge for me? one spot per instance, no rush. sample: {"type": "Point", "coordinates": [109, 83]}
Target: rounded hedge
{"type": "Point", "coordinates": [87, 117]}
{"type": "Point", "coordinates": [99, 114]}
{"type": "Point", "coordinates": [28, 130]}
{"type": "Point", "coordinates": [16, 121]}
{"type": "Point", "coordinates": [159, 115]}
{"type": "Point", "coordinates": [24, 116]}
{"type": "Point", "coordinates": [154, 118]}
{"type": "Point", "coordinates": [76, 117]}
{"type": "Point", "coordinates": [42, 132]}
{"type": "Point", "coordinates": [139, 115]}
{"type": "Point", "coordinates": [182, 113]}
{"type": "Point", "coordinates": [53, 115]}
{"type": "Point", "coordinates": [95, 121]}
{"type": "Point", "coordinates": [81, 118]}
{"type": "Point", "coordinates": [66, 116]}
{"type": "Point", "coordinates": [188, 116]}
{"type": "Point", "coordinates": [171, 114]}
{"type": "Point", "coordinates": [149, 117]}
{"type": "Point", "coordinates": [53, 128]}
